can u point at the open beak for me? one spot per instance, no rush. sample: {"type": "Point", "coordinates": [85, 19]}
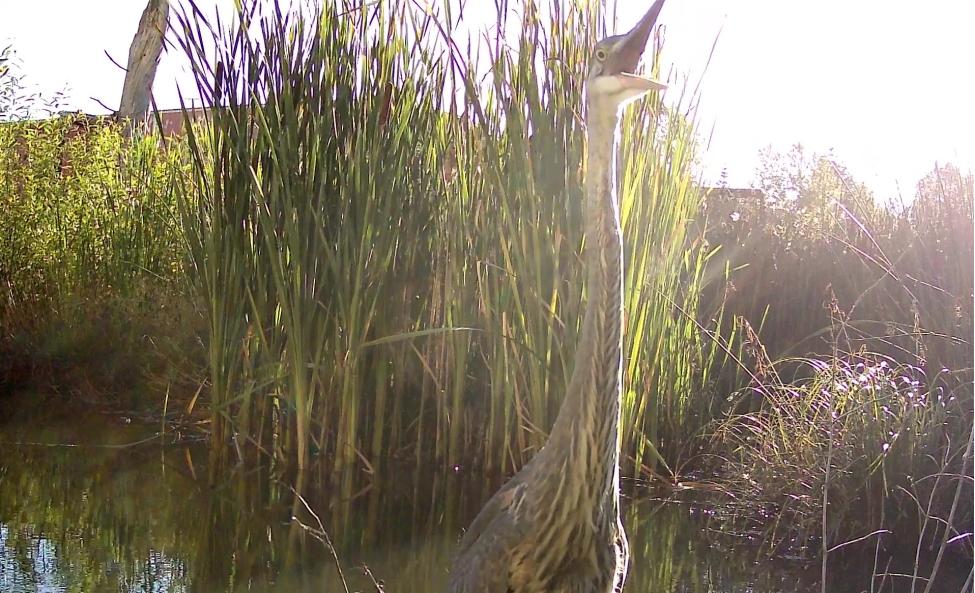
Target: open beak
{"type": "Point", "coordinates": [631, 50]}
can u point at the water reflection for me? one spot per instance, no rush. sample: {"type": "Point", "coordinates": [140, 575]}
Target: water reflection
{"type": "Point", "coordinates": [142, 518]}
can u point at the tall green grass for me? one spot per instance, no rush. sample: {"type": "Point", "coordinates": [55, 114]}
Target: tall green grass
{"type": "Point", "coordinates": [90, 253]}
{"type": "Point", "coordinates": [84, 211]}
{"type": "Point", "coordinates": [387, 236]}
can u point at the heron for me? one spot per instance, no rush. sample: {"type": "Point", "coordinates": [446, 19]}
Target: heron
{"type": "Point", "coordinates": [555, 526]}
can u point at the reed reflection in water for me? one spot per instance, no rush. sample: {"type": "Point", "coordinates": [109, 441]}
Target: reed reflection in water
{"type": "Point", "coordinates": [102, 516]}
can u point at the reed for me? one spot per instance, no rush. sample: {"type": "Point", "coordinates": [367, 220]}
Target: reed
{"type": "Point", "coordinates": [387, 235]}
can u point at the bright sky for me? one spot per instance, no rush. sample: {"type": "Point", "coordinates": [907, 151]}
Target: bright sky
{"type": "Point", "coordinates": [886, 85]}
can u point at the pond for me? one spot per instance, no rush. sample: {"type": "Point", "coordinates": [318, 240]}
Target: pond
{"type": "Point", "coordinates": [89, 504]}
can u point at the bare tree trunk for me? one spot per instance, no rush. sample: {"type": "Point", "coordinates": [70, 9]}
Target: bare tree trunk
{"type": "Point", "coordinates": [143, 58]}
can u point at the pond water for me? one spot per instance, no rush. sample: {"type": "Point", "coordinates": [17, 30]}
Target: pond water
{"type": "Point", "coordinates": [104, 514]}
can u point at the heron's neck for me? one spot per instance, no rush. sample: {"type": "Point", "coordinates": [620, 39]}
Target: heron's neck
{"type": "Point", "coordinates": [601, 208]}
{"type": "Point", "coordinates": [587, 427]}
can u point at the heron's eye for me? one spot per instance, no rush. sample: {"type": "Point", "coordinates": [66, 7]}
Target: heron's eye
{"type": "Point", "coordinates": [600, 54]}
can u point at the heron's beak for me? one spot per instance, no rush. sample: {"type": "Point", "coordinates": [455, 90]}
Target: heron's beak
{"type": "Point", "coordinates": [631, 50]}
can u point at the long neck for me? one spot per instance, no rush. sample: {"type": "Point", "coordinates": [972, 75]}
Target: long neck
{"type": "Point", "coordinates": [586, 431]}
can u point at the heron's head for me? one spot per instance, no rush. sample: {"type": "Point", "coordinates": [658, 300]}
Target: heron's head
{"type": "Point", "coordinates": [613, 80]}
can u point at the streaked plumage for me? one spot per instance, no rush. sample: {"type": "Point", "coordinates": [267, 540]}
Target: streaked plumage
{"type": "Point", "coordinates": [555, 526]}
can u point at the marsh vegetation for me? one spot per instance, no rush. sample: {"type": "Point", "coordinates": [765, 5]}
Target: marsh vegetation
{"type": "Point", "coordinates": [362, 267]}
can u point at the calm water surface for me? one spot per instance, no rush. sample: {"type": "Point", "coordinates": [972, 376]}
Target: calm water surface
{"type": "Point", "coordinates": [106, 516]}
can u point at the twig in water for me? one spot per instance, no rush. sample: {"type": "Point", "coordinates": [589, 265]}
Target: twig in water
{"type": "Point", "coordinates": [375, 583]}
{"type": "Point", "coordinates": [321, 535]}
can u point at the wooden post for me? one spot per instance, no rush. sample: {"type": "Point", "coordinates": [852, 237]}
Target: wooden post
{"type": "Point", "coordinates": [141, 71]}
